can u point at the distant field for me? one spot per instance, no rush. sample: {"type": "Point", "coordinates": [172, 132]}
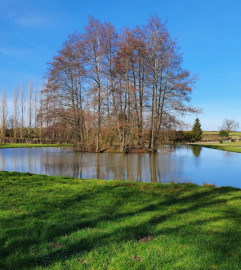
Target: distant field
{"type": "Point", "coordinates": [231, 134]}
{"type": "Point", "coordinates": [224, 144]}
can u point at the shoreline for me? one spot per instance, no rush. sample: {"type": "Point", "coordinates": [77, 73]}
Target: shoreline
{"type": "Point", "coordinates": [224, 147]}
{"type": "Point", "coordinates": [230, 147]}
{"type": "Point", "coordinates": [29, 145]}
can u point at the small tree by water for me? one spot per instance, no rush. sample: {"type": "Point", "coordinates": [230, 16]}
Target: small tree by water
{"type": "Point", "coordinates": [197, 130]}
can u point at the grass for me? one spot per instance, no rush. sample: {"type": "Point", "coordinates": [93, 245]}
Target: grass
{"type": "Point", "coordinates": [24, 145]}
{"type": "Point", "coordinates": [223, 147]}
{"type": "Point", "coordinates": [65, 223]}
{"type": "Point", "coordinates": [226, 146]}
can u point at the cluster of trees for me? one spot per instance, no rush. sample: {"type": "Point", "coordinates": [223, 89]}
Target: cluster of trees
{"type": "Point", "coordinates": [13, 117]}
{"type": "Point", "coordinates": [22, 118]}
{"type": "Point", "coordinates": [105, 88]}
{"type": "Point", "coordinates": [194, 135]}
{"type": "Point", "coordinates": [108, 88]}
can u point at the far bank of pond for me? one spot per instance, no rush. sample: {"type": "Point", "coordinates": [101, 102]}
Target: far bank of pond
{"type": "Point", "coordinates": [177, 164]}
{"type": "Point", "coordinates": [225, 146]}
{"type": "Point", "coordinates": [29, 145]}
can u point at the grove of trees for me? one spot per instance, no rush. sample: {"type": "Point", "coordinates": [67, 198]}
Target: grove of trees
{"type": "Point", "coordinates": [106, 89]}
{"type": "Point", "coordinates": [22, 121]}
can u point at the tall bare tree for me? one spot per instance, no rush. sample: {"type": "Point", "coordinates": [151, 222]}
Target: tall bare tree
{"type": "Point", "coordinates": [94, 51]}
{"type": "Point", "coordinates": [63, 91]}
{"type": "Point", "coordinates": [35, 107]}
{"type": "Point", "coordinates": [171, 85]}
{"type": "Point", "coordinates": [3, 114]}
{"type": "Point", "coordinates": [22, 112]}
{"type": "Point", "coordinates": [40, 113]}
{"type": "Point", "coordinates": [30, 112]}
{"type": "Point", "coordinates": [15, 113]}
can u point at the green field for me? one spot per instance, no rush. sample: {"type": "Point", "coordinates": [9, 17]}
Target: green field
{"type": "Point", "coordinates": [24, 145]}
{"type": "Point", "coordinates": [231, 134]}
{"type": "Point", "coordinates": [225, 146]}
{"type": "Point", "coordinates": [231, 147]}
{"type": "Point", "coordinates": [65, 223]}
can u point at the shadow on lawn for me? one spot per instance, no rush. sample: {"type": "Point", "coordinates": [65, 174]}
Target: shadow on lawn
{"type": "Point", "coordinates": [69, 221]}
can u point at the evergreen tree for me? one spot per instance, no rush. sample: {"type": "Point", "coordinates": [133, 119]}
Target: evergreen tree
{"type": "Point", "coordinates": [196, 130]}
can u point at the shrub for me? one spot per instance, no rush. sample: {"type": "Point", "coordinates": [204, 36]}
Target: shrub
{"type": "Point", "coordinates": [188, 136]}
{"type": "Point", "coordinates": [180, 136]}
{"type": "Point", "coordinates": [223, 133]}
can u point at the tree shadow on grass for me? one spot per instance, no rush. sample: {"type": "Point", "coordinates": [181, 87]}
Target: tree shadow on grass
{"type": "Point", "coordinates": [69, 221]}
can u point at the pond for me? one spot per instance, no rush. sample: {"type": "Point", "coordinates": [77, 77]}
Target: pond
{"type": "Point", "coordinates": [178, 164]}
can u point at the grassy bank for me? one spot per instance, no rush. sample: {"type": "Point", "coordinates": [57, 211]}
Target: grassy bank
{"type": "Point", "coordinates": [24, 145]}
{"type": "Point", "coordinates": [226, 146]}
{"type": "Point", "coordinates": [64, 223]}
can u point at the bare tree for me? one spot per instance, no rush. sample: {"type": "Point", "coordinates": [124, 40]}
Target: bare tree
{"type": "Point", "coordinates": [15, 114]}
{"type": "Point", "coordinates": [94, 51]}
{"type": "Point", "coordinates": [110, 49]}
{"type": "Point", "coordinates": [63, 92]}
{"type": "Point", "coordinates": [22, 112]}
{"type": "Point", "coordinates": [3, 114]}
{"type": "Point", "coordinates": [40, 113]}
{"type": "Point", "coordinates": [35, 107]}
{"type": "Point", "coordinates": [229, 125]}
{"type": "Point", "coordinates": [170, 83]}
{"type": "Point", "coordinates": [30, 96]}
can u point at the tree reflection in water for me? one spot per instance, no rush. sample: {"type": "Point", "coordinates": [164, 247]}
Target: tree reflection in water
{"type": "Point", "coordinates": [169, 164]}
{"type": "Point", "coordinates": [196, 150]}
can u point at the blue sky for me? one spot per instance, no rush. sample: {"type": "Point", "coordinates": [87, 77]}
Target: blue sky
{"type": "Point", "coordinates": [207, 32]}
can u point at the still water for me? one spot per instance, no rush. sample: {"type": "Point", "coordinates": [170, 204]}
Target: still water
{"type": "Point", "coordinates": [178, 164]}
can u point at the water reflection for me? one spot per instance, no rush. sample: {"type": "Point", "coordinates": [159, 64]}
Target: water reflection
{"type": "Point", "coordinates": [196, 150]}
{"type": "Point", "coordinates": [169, 164]}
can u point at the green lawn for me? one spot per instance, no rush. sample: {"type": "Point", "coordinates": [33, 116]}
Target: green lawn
{"type": "Point", "coordinates": [226, 146]}
{"type": "Point", "coordinates": [24, 145]}
{"type": "Point", "coordinates": [65, 223]}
